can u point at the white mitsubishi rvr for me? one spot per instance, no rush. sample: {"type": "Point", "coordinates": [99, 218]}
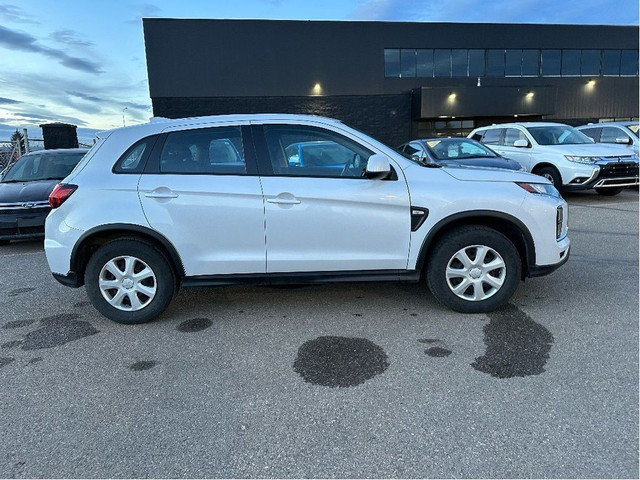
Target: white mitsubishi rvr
{"type": "Point", "coordinates": [278, 199]}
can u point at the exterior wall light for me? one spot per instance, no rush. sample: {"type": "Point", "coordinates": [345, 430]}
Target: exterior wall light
{"type": "Point", "coordinates": [591, 83]}
{"type": "Point", "coordinates": [452, 96]}
{"type": "Point", "coordinates": [317, 89]}
{"type": "Point", "coordinates": [529, 95]}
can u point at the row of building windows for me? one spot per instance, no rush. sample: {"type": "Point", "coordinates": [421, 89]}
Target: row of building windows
{"type": "Point", "coordinates": [462, 62]}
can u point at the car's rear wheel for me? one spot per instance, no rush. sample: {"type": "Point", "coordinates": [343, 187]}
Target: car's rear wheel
{"type": "Point", "coordinates": [129, 281]}
{"type": "Point", "coordinates": [473, 269]}
{"type": "Point", "coordinates": [609, 192]}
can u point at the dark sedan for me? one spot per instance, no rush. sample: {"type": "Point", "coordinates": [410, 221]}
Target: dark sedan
{"type": "Point", "coordinates": [25, 189]}
{"type": "Point", "coordinates": [450, 152]}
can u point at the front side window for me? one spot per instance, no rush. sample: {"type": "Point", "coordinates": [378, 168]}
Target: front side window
{"type": "Point", "coordinates": [204, 151]}
{"type": "Point", "coordinates": [558, 135]}
{"type": "Point", "coordinates": [609, 135]}
{"type": "Point", "coordinates": [297, 150]}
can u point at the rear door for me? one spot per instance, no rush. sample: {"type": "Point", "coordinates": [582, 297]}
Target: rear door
{"type": "Point", "coordinates": [322, 214]}
{"type": "Point", "coordinates": [202, 192]}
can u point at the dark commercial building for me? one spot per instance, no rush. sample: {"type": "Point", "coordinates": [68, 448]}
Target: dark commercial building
{"type": "Point", "coordinates": [394, 80]}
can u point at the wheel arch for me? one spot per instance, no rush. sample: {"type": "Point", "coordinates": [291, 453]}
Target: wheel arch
{"type": "Point", "coordinates": [508, 225]}
{"type": "Point", "coordinates": [539, 166]}
{"type": "Point", "coordinates": [92, 239]}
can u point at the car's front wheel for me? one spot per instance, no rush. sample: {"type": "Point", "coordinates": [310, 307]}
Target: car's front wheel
{"type": "Point", "coordinates": [129, 281]}
{"type": "Point", "coordinates": [473, 269]}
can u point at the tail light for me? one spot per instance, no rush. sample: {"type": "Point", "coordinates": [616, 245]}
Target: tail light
{"type": "Point", "coordinates": [60, 193]}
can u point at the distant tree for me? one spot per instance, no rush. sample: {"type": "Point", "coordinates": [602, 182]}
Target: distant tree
{"type": "Point", "coordinates": [18, 138]}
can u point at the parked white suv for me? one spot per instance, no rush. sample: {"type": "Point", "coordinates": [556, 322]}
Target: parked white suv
{"type": "Point", "coordinates": [568, 158]}
{"type": "Point", "coordinates": [274, 199]}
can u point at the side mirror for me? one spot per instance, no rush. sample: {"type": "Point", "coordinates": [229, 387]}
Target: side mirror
{"type": "Point", "coordinates": [623, 140]}
{"type": "Point", "coordinates": [521, 143]}
{"type": "Point", "coordinates": [378, 167]}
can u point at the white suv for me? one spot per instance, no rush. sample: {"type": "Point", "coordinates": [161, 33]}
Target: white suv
{"type": "Point", "coordinates": [271, 199]}
{"type": "Point", "coordinates": [568, 158]}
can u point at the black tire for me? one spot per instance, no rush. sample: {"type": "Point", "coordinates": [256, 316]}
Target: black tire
{"type": "Point", "coordinates": [552, 174]}
{"type": "Point", "coordinates": [465, 239]}
{"type": "Point", "coordinates": [133, 303]}
{"type": "Point", "coordinates": [609, 192]}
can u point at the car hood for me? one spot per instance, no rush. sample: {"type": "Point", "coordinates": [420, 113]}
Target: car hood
{"type": "Point", "coordinates": [482, 162]}
{"type": "Point", "coordinates": [37, 191]}
{"type": "Point", "coordinates": [478, 174]}
{"type": "Point", "coordinates": [591, 150]}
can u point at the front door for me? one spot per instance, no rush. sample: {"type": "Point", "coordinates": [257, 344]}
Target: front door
{"type": "Point", "coordinates": [321, 213]}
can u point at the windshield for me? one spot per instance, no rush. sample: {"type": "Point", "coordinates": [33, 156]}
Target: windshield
{"type": "Point", "coordinates": [558, 135]}
{"type": "Point", "coordinates": [457, 149]}
{"type": "Point", "coordinates": [42, 166]}
{"type": "Point", "coordinates": [633, 128]}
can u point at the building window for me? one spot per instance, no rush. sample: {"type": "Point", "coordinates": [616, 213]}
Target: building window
{"type": "Point", "coordinates": [495, 63]}
{"type": "Point", "coordinates": [530, 63]}
{"type": "Point", "coordinates": [442, 62]}
{"type": "Point", "coordinates": [425, 62]}
{"type": "Point", "coordinates": [459, 63]}
{"type": "Point", "coordinates": [550, 62]}
{"type": "Point", "coordinates": [611, 63]}
{"type": "Point", "coordinates": [392, 62]}
{"type": "Point", "coordinates": [513, 63]}
{"type": "Point", "coordinates": [570, 63]}
{"type": "Point", "coordinates": [407, 63]}
{"type": "Point", "coordinates": [476, 63]}
{"type": "Point", "coordinates": [590, 65]}
{"type": "Point", "coordinates": [629, 63]}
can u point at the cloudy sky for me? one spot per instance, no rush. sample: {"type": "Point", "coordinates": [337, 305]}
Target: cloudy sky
{"type": "Point", "coordinates": [83, 62]}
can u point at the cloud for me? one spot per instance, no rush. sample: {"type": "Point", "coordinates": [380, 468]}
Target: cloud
{"type": "Point", "coordinates": [497, 11]}
{"type": "Point", "coordinates": [84, 96]}
{"type": "Point", "coordinates": [145, 10]}
{"type": "Point", "coordinates": [22, 41]}
{"type": "Point", "coordinates": [69, 37]}
{"type": "Point", "coordinates": [12, 13]}
{"type": "Point", "coordinates": [8, 101]}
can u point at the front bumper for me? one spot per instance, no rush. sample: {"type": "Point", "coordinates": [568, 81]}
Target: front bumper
{"type": "Point", "coordinates": [22, 223]}
{"type": "Point", "coordinates": [542, 270]}
{"type": "Point", "coordinates": [610, 175]}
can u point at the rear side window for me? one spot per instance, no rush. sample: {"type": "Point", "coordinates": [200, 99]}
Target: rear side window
{"type": "Point", "coordinates": [492, 136]}
{"type": "Point", "coordinates": [511, 135]}
{"type": "Point", "coordinates": [204, 151]}
{"type": "Point", "coordinates": [591, 132]}
{"type": "Point", "coordinates": [133, 160]}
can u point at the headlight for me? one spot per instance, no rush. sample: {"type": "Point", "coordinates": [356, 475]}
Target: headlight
{"type": "Point", "coordinates": [577, 159]}
{"type": "Point", "coordinates": [539, 188]}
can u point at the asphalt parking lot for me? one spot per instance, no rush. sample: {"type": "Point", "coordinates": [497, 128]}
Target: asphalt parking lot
{"type": "Point", "coordinates": [236, 382]}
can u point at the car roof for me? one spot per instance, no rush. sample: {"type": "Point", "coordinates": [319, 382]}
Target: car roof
{"type": "Point", "coordinates": [58, 151]}
{"type": "Point", "coordinates": [159, 124]}
{"type": "Point", "coordinates": [524, 124]}
{"type": "Point", "coordinates": [608, 124]}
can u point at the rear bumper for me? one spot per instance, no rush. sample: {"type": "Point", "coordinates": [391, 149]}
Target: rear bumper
{"type": "Point", "coordinates": [70, 279]}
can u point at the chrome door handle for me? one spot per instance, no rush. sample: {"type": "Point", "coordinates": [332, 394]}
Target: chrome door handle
{"type": "Point", "coordinates": [161, 194]}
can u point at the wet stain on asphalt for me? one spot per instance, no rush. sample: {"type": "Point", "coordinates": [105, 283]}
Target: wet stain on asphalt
{"type": "Point", "coordinates": [429, 340]}
{"type": "Point", "coordinates": [35, 360]}
{"type": "Point", "coordinates": [81, 304]}
{"type": "Point", "coordinates": [19, 323]}
{"type": "Point", "coordinates": [437, 352]}
{"type": "Point", "coordinates": [57, 330]}
{"type": "Point", "coordinates": [516, 345]}
{"type": "Point", "coordinates": [143, 365]}
{"type": "Point", "coordinates": [12, 343]}
{"type": "Point", "coordinates": [5, 361]}
{"type": "Point", "coordinates": [19, 291]}
{"type": "Point", "coordinates": [194, 325]}
{"type": "Point", "coordinates": [339, 361]}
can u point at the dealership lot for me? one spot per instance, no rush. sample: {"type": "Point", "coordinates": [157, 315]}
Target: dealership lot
{"type": "Point", "coordinates": [253, 382]}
